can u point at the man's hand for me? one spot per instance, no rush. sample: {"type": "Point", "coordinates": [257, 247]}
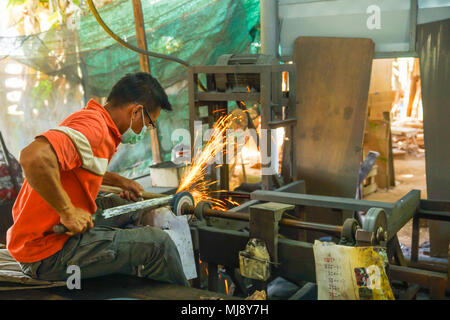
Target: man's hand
{"type": "Point", "coordinates": [132, 190]}
{"type": "Point", "coordinates": [76, 220]}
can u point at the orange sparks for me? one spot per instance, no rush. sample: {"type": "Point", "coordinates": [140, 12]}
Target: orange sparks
{"type": "Point", "coordinates": [226, 286]}
{"type": "Point", "coordinates": [194, 179]}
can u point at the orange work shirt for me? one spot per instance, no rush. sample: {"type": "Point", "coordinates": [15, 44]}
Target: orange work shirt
{"type": "Point", "coordinates": [84, 144]}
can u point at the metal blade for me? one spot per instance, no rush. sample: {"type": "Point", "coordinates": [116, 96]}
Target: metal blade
{"type": "Point", "coordinates": [132, 207]}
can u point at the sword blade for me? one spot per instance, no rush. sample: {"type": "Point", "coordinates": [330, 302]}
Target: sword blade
{"type": "Point", "coordinates": [132, 207]}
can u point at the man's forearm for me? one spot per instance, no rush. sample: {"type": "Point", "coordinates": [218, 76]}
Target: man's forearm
{"type": "Point", "coordinates": [131, 189]}
{"type": "Point", "coordinates": [112, 179]}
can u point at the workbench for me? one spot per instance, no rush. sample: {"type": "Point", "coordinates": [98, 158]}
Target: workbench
{"type": "Point", "coordinates": [116, 287]}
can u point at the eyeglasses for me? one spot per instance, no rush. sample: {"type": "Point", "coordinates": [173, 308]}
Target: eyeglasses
{"type": "Point", "coordinates": [152, 124]}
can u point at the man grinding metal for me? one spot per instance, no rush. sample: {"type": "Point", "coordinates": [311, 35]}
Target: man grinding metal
{"type": "Point", "coordinates": [64, 168]}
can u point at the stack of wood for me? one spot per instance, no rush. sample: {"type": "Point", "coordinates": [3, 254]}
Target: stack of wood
{"type": "Point", "coordinates": [407, 127]}
{"type": "Point", "coordinates": [381, 91]}
{"type": "Point", "coordinates": [407, 137]}
{"type": "Point", "coordinates": [377, 135]}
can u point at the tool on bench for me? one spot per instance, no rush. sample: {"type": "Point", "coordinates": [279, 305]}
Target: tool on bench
{"type": "Point", "coordinates": [176, 202]}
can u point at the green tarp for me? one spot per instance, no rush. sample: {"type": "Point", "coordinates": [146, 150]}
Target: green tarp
{"type": "Point", "coordinates": [197, 31]}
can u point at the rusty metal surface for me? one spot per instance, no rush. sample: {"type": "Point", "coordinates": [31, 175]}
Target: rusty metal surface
{"type": "Point", "coordinates": [433, 48]}
{"type": "Point", "coordinates": [332, 84]}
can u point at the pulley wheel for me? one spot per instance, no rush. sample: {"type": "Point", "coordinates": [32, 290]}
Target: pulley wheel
{"type": "Point", "coordinates": [200, 209]}
{"type": "Point", "coordinates": [374, 219]}
{"type": "Point", "coordinates": [349, 229]}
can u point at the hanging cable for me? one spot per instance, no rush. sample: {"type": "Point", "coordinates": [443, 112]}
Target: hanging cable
{"type": "Point", "coordinates": [126, 44]}
{"type": "Point", "coordinates": [134, 48]}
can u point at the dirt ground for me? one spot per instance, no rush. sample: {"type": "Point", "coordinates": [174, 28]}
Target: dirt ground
{"type": "Point", "coordinates": [409, 174]}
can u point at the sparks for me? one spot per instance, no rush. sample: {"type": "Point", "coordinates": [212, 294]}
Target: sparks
{"type": "Point", "coordinates": [226, 286]}
{"type": "Point", "coordinates": [194, 178]}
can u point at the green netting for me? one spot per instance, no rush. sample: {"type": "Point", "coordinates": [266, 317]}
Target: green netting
{"type": "Point", "coordinates": [197, 31]}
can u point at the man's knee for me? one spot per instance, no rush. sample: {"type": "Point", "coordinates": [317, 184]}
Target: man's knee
{"type": "Point", "coordinates": [150, 237]}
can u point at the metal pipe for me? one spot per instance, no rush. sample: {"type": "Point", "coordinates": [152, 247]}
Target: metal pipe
{"type": "Point", "coordinates": [269, 27]}
{"type": "Point", "coordinates": [283, 222]}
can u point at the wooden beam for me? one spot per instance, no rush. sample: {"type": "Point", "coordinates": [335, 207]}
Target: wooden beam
{"type": "Point", "coordinates": [140, 34]}
{"type": "Point", "coordinates": [145, 67]}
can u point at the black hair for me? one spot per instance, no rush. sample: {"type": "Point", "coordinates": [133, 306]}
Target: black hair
{"type": "Point", "coordinates": [142, 88]}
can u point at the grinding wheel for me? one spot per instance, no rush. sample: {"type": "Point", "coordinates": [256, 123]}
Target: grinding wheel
{"type": "Point", "coordinates": [179, 200]}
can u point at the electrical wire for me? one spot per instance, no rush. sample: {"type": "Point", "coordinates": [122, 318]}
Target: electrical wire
{"type": "Point", "coordinates": [126, 44]}
{"type": "Point", "coordinates": [134, 48]}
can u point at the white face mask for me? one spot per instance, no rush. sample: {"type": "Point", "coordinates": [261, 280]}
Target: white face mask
{"type": "Point", "coordinates": [130, 136]}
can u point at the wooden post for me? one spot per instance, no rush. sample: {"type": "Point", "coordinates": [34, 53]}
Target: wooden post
{"type": "Point", "coordinates": [145, 67]}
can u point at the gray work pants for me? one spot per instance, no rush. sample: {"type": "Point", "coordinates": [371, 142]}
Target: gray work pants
{"type": "Point", "coordinates": [106, 249]}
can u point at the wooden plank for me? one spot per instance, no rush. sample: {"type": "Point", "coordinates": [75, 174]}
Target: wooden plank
{"type": "Point", "coordinates": [371, 188]}
{"type": "Point", "coordinates": [433, 47]}
{"type": "Point", "coordinates": [332, 83]}
{"type": "Point", "coordinates": [377, 139]}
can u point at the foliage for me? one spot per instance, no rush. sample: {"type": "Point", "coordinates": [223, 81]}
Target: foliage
{"type": "Point", "coordinates": [56, 12]}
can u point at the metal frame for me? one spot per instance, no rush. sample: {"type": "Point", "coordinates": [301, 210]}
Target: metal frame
{"type": "Point", "coordinates": [221, 246]}
{"type": "Point", "coordinates": [269, 98]}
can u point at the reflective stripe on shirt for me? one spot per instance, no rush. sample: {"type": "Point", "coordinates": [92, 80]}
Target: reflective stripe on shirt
{"type": "Point", "coordinates": [89, 162]}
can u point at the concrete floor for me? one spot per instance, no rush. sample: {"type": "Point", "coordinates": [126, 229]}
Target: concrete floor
{"type": "Point", "coordinates": [409, 174]}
